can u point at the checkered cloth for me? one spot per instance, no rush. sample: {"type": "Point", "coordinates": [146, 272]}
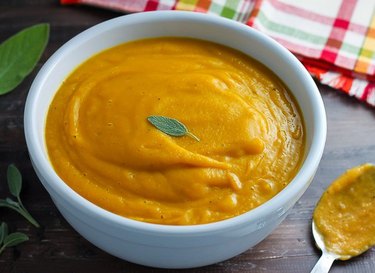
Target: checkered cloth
{"type": "Point", "coordinates": [334, 39]}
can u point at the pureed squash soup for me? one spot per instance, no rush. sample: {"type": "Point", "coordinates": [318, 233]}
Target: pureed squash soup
{"type": "Point", "coordinates": [250, 135]}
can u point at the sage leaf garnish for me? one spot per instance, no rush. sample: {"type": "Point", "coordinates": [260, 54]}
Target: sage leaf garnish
{"type": "Point", "coordinates": [19, 54]}
{"type": "Point", "coordinates": [13, 239]}
{"type": "Point", "coordinates": [15, 185]}
{"type": "Point", "coordinates": [171, 126]}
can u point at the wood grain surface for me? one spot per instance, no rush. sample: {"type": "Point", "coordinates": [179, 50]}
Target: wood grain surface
{"type": "Point", "coordinates": [56, 247]}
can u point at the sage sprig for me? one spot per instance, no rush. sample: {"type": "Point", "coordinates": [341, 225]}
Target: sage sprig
{"type": "Point", "coordinates": [12, 239]}
{"type": "Point", "coordinates": [171, 126]}
{"type": "Point", "coordinates": [19, 54]}
{"type": "Point", "coordinates": [3, 232]}
{"type": "Point", "coordinates": [14, 178]}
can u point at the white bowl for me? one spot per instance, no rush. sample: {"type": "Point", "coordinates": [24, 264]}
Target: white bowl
{"type": "Point", "coordinates": [162, 245]}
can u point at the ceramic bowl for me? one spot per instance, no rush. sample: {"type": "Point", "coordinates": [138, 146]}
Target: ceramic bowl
{"type": "Point", "coordinates": [162, 245]}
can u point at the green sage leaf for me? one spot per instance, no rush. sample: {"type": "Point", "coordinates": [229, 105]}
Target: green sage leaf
{"type": "Point", "coordinates": [6, 204]}
{"type": "Point", "coordinates": [9, 203]}
{"type": "Point", "coordinates": [15, 186]}
{"type": "Point", "coordinates": [15, 238]}
{"type": "Point", "coordinates": [12, 203]}
{"type": "Point", "coordinates": [170, 126]}
{"type": "Point", "coordinates": [3, 231]}
{"type": "Point", "coordinates": [14, 180]}
{"type": "Point", "coordinates": [19, 54]}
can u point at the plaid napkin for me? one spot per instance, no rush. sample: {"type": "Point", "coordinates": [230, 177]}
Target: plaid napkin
{"type": "Point", "coordinates": [334, 39]}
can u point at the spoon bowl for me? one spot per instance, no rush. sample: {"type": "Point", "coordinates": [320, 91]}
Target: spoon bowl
{"type": "Point", "coordinates": [345, 215]}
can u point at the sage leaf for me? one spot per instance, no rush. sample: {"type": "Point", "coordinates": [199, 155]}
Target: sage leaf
{"type": "Point", "coordinates": [12, 203]}
{"type": "Point", "coordinates": [18, 207]}
{"type": "Point", "coordinates": [5, 204]}
{"type": "Point", "coordinates": [3, 232]}
{"type": "Point", "coordinates": [19, 54]}
{"type": "Point", "coordinates": [15, 185]}
{"type": "Point", "coordinates": [15, 238]}
{"type": "Point", "coordinates": [170, 126]}
{"type": "Point", "coordinates": [14, 180]}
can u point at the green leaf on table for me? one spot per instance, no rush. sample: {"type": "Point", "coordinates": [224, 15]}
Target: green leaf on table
{"type": "Point", "coordinates": [19, 54]}
{"type": "Point", "coordinates": [15, 238]}
{"type": "Point", "coordinates": [6, 204]}
{"type": "Point", "coordinates": [14, 180]}
{"type": "Point", "coordinates": [3, 231]}
{"type": "Point", "coordinates": [170, 126]}
{"type": "Point", "coordinates": [15, 186]}
{"type": "Point", "coordinates": [12, 203]}
{"type": "Point", "coordinates": [18, 207]}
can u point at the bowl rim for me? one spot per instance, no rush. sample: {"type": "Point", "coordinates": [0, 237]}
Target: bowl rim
{"type": "Point", "coordinates": [59, 187]}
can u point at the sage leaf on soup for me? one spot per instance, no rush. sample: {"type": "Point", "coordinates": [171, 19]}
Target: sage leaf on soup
{"type": "Point", "coordinates": [171, 126]}
{"type": "Point", "coordinates": [19, 54]}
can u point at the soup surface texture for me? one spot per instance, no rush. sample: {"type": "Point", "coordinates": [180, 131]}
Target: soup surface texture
{"type": "Point", "coordinates": [345, 215]}
{"type": "Point", "coordinates": [101, 144]}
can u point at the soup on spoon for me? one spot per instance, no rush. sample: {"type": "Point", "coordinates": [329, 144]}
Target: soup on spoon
{"type": "Point", "coordinates": [344, 219]}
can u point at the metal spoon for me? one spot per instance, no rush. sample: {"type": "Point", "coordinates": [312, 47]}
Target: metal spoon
{"type": "Point", "coordinates": [326, 260]}
{"type": "Point", "coordinates": [366, 173]}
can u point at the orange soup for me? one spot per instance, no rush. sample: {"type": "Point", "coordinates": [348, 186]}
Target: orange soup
{"type": "Point", "coordinates": [100, 142]}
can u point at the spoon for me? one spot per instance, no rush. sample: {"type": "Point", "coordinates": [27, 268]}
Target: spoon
{"type": "Point", "coordinates": [326, 260]}
{"type": "Point", "coordinates": [346, 213]}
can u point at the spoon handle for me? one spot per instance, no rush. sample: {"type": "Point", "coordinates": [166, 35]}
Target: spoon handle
{"type": "Point", "coordinates": [324, 263]}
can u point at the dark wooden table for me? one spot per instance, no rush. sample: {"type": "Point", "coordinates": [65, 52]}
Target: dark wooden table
{"type": "Point", "coordinates": [56, 247]}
